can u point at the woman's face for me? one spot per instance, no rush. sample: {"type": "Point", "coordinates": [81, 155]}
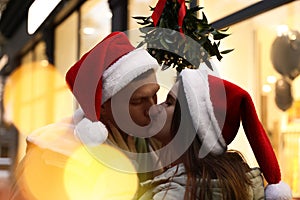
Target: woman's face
{"type": "Point", "coordinates": [165, 135]}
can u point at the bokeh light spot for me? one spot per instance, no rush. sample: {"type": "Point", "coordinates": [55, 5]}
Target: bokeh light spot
{"type": "Point", "coordinates": [87, 178]}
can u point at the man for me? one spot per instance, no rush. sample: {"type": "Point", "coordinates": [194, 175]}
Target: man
{"type": "Point", "coordinates": [115, 86]}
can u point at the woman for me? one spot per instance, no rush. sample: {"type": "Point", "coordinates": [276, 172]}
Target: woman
{"type": "Point", "coordinates": [205, 170]}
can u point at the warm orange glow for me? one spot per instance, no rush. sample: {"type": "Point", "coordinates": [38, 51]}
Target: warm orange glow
{"type": "Point", "coordinates": [87, 178]}
{"type": "Point", "coordinates": [36, 94]}
{"type": "Point", "coordinates": [42, 177]}
{"type": "Point", "coordinates": [295, 184]}
{"type": "Point", "coordinates": [62, 169]}
{"type": "Point", "coordinates": [290, 160]}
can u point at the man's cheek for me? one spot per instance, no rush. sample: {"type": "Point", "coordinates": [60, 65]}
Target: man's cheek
{"type": "Point", "coordinates": [137, 115]}
{"type": "Point", "coordinates": [134, 112]}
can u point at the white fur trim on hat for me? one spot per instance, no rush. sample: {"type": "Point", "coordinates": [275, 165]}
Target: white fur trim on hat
{"type": "Point", "coordinates": [279, 191]}
{"type": "Point", "coordinates": [124, 70]}
{"type": "Point", "coordinates": [196, 88]}
{"type": "Point", "coordinates": [88, 132]}
{"type": "Point", "coordinates": [78, 115]}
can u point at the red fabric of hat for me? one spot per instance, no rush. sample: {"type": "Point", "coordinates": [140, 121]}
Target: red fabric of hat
{"type": "Point", "coordinates": [238, 106]}
{"type": "Point", "coordinates": [85, 76]}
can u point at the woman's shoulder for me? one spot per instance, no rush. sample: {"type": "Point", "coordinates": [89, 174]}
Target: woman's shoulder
{"type": "Point", "coordinates": [257, 184]}
{"type": "Point", "coordinates": [168, 185]}
{"type": "Point", "coordinates": [254, 173]}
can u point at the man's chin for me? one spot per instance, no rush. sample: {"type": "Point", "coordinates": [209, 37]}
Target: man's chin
{"type": "Point", "coordinates": [143, 124]}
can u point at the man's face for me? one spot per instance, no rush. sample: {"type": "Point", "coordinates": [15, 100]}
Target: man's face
{"type": "Point", "coordinates": [140, 103]}
{"type": "Point", "coordinates": [130, 106]}
{"type": "Point", "coordinates": [165, 135]}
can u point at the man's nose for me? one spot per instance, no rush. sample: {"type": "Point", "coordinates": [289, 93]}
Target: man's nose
{"type": "Point", "coordinates": [152, 101]}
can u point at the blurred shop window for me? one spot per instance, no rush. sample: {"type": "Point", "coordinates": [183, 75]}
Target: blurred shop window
{"type": "Point", "coordinates": [291, 160]}
{"type": "Point", "coordinates": [27, 58]}
{"type": "Point", "coordinates": [35, 95]}
{"type": "Point", "coordinates": [66, 43]}
{"type": "Point", "coordinates": [214, 9]}
{"type": "Point", "coordinates": [290, 153]}
{"type": "Point", "coordinates": [258, 76]}
{"type": "Point", "coordinates": [95, 23]}
{"type": "Point", "coordinates": [8, 141]}
{"type": "Point", "coordinates": [37, 53]}
{"type": "Point", "coordinates": [40, 51]}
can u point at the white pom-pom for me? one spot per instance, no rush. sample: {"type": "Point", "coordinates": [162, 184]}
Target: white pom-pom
{"type": "Point", "coordinates": [78, 115]}
{"type": "Point", "coordinates": [91, 133]}
{"type": "Point", "coordinates": [280, 191]}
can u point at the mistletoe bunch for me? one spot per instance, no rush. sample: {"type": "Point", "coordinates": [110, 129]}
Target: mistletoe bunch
{"type": "Point", "coordinates": [176, 37]}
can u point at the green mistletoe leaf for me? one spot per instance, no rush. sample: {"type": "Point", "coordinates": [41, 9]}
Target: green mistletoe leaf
{"type": "Point", "coordinates": [172, 46]}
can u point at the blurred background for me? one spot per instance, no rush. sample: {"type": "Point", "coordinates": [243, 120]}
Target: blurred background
{"type": "Point", "coordinates": [38, 46]}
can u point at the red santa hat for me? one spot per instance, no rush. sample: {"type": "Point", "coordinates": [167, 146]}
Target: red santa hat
{"type": "Point", "coordinates": [102, 72]}
{"type": "Point", "coordinates": [228, 105]}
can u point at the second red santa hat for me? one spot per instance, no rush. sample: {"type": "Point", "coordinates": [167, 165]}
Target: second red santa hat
{"type": "Point", "coordinates": [230, 105]}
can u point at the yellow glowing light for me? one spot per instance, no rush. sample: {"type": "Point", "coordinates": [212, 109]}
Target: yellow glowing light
{"type": "Point", "coordinates": [63, 169]}
{"type": "Point", "coordinates": [271, 79]}
{"type": "Point", "coordinates": [42, 176]}
{"type": "Point", "coordinates": [87, 178]}
{"type": "Point", "coordinates": [266, 88]}
{"type": "Point", "coordinates": [282, 30]}
{"type": "Point", "coordinates": [35, 95]}
{"type": "Point", "coordinates": [89, 30]}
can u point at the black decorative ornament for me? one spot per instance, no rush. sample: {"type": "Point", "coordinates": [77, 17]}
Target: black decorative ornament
{"type": "Point", "coordinates": [285, 54]}
{"type": "Point", "coordinates": [283, 94]}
